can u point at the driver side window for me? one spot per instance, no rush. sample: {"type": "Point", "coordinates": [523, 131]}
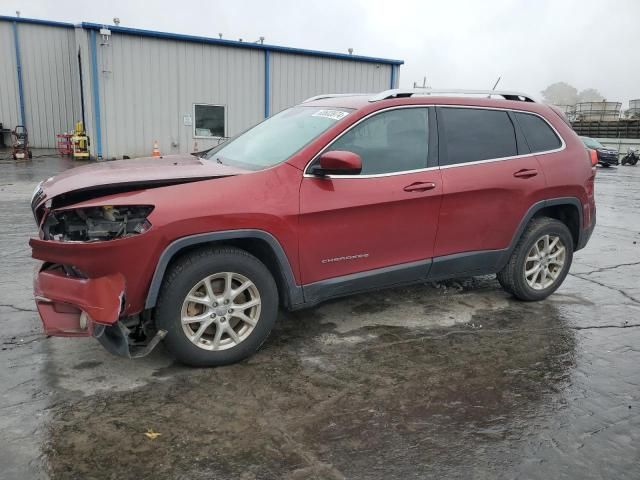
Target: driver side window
{"type": "Point", "coordinates": [389, 142]}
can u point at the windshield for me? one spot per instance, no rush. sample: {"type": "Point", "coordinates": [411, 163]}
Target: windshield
{"type": "Point", "coordinates": [591, 143]}
{"type": "Point", "coordinates": [277, 138]}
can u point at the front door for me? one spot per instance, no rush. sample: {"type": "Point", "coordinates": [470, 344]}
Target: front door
{"type": "Point", "coordinates": [386, 216]}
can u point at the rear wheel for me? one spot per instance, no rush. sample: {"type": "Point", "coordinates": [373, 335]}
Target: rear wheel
{"type": "Point", "coordinates": [217, 305]}
{"type": "Point", "coordinates": [540, 262]}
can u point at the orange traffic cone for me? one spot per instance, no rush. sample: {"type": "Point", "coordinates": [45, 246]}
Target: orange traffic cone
{"type": "Point", "coordinates": [156, 149]}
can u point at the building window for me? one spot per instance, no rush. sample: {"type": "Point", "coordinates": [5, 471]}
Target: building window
{"type": "Point", "coordinates": [209, 121]}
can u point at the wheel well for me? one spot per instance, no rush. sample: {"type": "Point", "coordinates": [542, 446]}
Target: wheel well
{"type": "Point", "coordinates": [567, 214]}
{"type": "Point", "coordinates": [256, 247]}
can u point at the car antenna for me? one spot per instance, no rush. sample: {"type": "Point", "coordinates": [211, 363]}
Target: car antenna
{"type": "Point", "coordinates": [495, 85]}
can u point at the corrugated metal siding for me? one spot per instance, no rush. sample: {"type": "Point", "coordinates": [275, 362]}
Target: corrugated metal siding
{"type": "Point", "coordinates": [9, 98]}
{"type": "Point", "coordinates": [49, 75]}
{"type": "Point", "coordinates": [297, 77]}
{"type": "Point", "coordinates": [147, 85]}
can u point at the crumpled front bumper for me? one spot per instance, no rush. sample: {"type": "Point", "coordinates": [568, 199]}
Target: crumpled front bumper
{"type": "Point", "coordinates": [83, 307]}
{"type": "Point", "coordinates": [72, 306]}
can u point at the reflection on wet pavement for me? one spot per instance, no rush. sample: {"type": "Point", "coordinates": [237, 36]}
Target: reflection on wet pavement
{"type": "Point", "coordinates": [452, 380]}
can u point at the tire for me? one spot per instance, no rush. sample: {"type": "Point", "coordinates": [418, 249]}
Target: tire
{"type": "Point", "coordinates": [513, 278]}
{"type": "Point", "coordinates": [210, 271]}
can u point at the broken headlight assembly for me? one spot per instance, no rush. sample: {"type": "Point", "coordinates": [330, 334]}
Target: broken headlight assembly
{"type": "Point", "coordinates": [100, 223]}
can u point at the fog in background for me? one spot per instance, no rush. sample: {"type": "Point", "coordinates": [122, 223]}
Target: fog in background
{"type": "Point", "coordinates": [461, 44]}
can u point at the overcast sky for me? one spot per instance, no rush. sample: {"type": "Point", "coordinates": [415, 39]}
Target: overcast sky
{"type": "Point", "coordinates": [461, 44]}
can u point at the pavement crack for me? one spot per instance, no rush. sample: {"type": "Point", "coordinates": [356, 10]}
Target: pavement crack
{"type": "Point", "coordinates": [17, 309]}
{"type": "Point", "coordinates": [619, 290]}
{"type": "Point", "coordinates": [604, 269]}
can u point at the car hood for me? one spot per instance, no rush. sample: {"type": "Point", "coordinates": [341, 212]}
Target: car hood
{"type": "Point", "coordinates": [122, 175]}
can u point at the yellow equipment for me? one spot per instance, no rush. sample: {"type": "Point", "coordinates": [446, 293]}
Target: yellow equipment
{"type": "Point", "coordinates": [80, 142]}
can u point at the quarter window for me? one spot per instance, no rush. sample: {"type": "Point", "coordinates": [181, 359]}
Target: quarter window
{"type": "Point", "coordinates": [391, 141]}
{"type": "Point", "coordinates": [209, 121]}
{"type": "Point", "coordinates": [540, 136]}
{"type": "Point", "coordinates": [472, 135]}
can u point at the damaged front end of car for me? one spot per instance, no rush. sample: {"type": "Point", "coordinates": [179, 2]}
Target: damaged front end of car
{"type": "Point", "coordinates": [98, 223]}
{"type": "Point", "coordinates": [80, 289]}
{"type": "Point", "coordinates": [100, 236]}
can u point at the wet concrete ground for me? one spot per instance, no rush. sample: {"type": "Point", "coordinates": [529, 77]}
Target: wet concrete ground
{"type": "Point", "coordinates": [454, 380]}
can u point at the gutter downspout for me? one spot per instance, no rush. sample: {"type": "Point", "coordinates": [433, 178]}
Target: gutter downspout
{"type": "Point", "coordinates": [267, 83]}
{"type": "Point", "coordinates": [16, 42]}
{"type": "Point", "coordinates": [96, 93]}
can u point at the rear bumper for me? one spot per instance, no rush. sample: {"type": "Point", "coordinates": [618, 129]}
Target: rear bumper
{"type": "Point", "coordinates": [608, 160]}
{"type": "Point", "coordinates": [72, 306]}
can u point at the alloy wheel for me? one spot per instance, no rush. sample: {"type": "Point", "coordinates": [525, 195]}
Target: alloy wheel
{"type": "Point", "coordinates": [544, 262]}
{"type": "Point", "coordinates": [221, 311]}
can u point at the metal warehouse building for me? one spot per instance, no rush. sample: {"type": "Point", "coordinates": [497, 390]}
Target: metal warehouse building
{"type": "Point", "coordinates": [132, 87]}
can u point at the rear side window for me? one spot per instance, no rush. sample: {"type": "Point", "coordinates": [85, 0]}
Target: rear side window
{"type": "Point", "coordinates": [473, 134]}
{"type": "Point", "coordinates": [540, 136]}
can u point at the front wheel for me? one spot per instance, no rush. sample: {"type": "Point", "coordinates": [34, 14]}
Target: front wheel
{"type": "Point", "coordinates": [540, 262]}
{"type": "Point", "coordinates": [218, 305]}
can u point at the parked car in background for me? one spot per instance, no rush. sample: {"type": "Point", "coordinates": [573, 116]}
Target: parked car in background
{"type": "Point", "coordinates": [606, 156]}
{"type": "Point", "coordinates": [338, 195]}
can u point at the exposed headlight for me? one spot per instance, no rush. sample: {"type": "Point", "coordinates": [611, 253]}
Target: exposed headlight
{"type": "Point", "coordinates": [97, 223]}
{"type": "Point", "coordinates": [35, 191]}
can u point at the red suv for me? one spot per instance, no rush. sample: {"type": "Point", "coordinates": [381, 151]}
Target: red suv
{"type": "Point", "coordinates": [338, 195]}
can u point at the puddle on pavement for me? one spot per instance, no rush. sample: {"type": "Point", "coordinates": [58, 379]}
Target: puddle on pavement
{"type": "Point", "coordinates": [318, 402]}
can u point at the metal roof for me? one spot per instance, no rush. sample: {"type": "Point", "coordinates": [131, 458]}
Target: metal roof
{"type": "Point", "coordinates": [207, 40]}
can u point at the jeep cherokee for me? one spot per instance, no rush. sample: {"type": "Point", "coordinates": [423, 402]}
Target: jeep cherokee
{"type": "Point", "coordinates": [338, 195]}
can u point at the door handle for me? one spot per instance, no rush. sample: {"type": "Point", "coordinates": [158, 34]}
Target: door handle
{"type": "Point", "coordinates": [420, 187]}
{"type": "Point", "coordinates": [526, 173]}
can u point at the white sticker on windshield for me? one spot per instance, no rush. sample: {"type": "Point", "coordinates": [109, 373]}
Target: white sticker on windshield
{"type": "Point", "coordinates": [332, 114]}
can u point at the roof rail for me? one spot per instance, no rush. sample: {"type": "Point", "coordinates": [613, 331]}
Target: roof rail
{"type": "Point", "coordinates": [408, 92]}
{"type": "Point", "coordinates": [332, 95]}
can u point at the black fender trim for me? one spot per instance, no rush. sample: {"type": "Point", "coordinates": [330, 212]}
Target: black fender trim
{"type": "Point", "coordinates": [294, 292]}
{"type": "Point", "coordinates": [535, 208]}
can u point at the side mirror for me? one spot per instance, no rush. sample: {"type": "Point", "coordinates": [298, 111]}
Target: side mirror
{"type": "Point", "coordinates": [338, 162]}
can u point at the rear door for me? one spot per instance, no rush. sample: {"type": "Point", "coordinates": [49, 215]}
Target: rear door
{"type": "Point", "coordinates": [489, 177]}
{"type": "Point", "coordinates": [387, 215]}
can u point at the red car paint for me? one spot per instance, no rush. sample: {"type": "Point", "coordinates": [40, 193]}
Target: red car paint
{"type": "Point", "coordinates": [60, 301]}
{"type": "Point", "coordinates": [373, 223]}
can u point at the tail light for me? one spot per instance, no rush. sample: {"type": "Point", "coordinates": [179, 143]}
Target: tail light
{"type": "Point", "coordinates": [594, 157]}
